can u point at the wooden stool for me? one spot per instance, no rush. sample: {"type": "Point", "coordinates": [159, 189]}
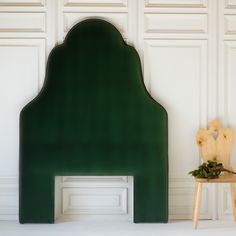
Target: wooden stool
{"type": "Point", "coordinates": [225, 178]}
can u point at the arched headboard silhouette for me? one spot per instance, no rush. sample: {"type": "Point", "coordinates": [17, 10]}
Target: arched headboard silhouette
{"type": "Point", "coordinates": [93, 116]}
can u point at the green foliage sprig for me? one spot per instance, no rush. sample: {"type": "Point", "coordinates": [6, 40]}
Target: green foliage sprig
{"type": "Point", "coordinates": [209, 170]}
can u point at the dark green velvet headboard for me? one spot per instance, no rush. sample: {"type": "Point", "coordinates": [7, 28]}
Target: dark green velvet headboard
{"type": "Point", "coordinates": [93, 116]}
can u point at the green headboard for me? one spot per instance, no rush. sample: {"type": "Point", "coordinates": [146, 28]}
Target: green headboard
{"type": "Point", "coordinates": [93, 116]}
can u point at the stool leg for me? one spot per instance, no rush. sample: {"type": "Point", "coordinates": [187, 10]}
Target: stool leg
{"type": "Point", "coordinates": [233, 196]}
{"type": "Point", "coordinates": [197, 203]}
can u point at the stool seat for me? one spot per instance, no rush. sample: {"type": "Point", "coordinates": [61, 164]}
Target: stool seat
{"type": "Point", "coordinates": [224, 178]}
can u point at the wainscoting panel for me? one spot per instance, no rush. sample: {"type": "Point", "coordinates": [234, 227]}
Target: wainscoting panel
{"type": "Point", "coordinates": [225, 210]}
{"type": "Point", "coordinates": [183, 188]}
{"type": "Point", "coordinates": [22, 3]}
{"type": "Point", "coordinates": [22, 69]}
{"type": "Point", "coordinates": [71, 12]}
{"type": "Point", "coordinates": [230, 4]}
{"type": "Point", "coordinates": [79, 197]}
{"type": "Point", "coordinates": [118, 19]}
{"type": "Point", "coordinates": [21, 22]}
{"type": "Point", "coordinates": [94, 201]}
{"type": "Point", "coordinates": [171, 75]}
{"type": "Point", "coordinates": [94, 3]}
{"type": "Point", "coordinates": [9, 198]}
{"type": "Point", "coordinates": [176, 3]}
{"type": "Point", "coordinates": [175, 23]}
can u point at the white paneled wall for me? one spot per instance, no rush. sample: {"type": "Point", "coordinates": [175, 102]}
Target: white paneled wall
{"type": "Point", "coordinates": [174, 38]}
{"type": "Point", "coordinates": [23, 47]}
{"type": "Point", "coordinates": [94, 197]}
{"type": "Point", "coordinates": [188, 53]}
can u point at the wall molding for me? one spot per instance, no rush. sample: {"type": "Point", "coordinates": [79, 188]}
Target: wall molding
{"type": "Point", "coordinates": [93, 3]}
{"type": "Point", "coordinates": [175, 23]}
{"type": "Point", "coordinates": [22, 22]}
{"type": "Point", "coordinates": [118, 19]}
{"type": "Point", "coordinates": [22, 3]}
{"type": "Point", "coordinates": [185, 44]}
{"type": "Point", "coordinates": [38, 44]}
{"type": "Point", "coordinates": [79, 197]}
{"type": "Point", "coordinates": [184, 188]}
{"type": "Point", "coordinates": [9, 195]}
{"type": "Point", "coordinates": [180, 188]}
{"type": "Point", "coordinates": [230, 4]}
{"type": "Point", "coordinates": [177, 3]}
{"type": "Point", "coordinates": [93, 201]}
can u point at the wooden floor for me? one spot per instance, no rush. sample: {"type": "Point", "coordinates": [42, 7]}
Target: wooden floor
{"type": "Point", "coordinates": [114, 228]}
